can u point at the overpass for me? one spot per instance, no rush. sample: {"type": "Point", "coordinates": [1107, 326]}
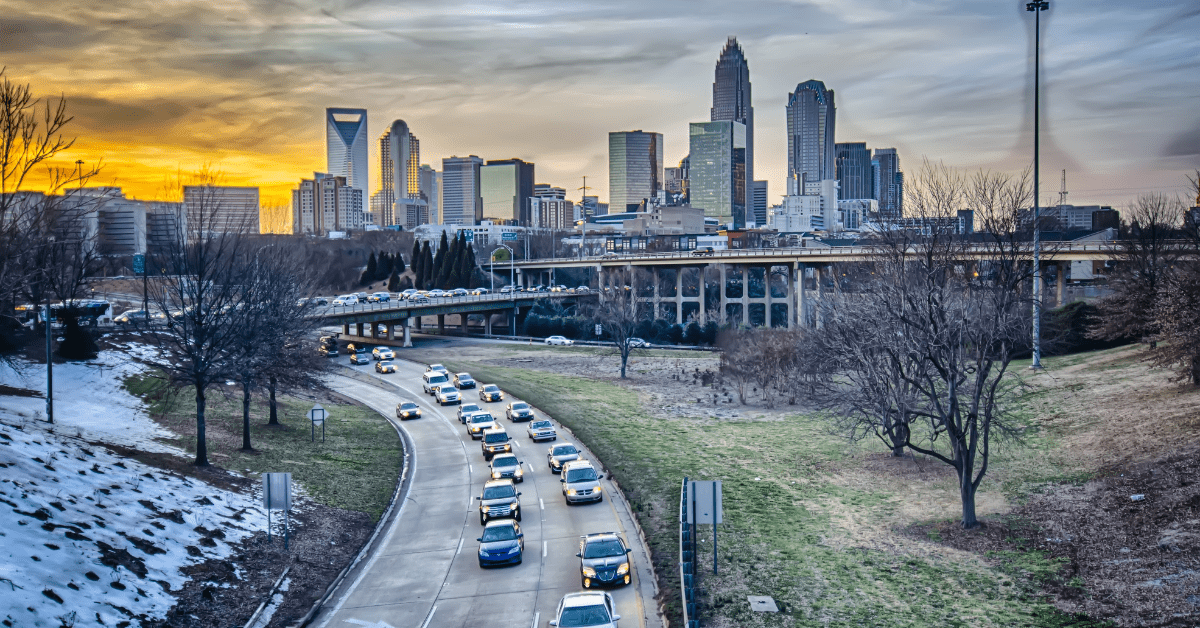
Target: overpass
{"type": "Point", "coordinates": [771, 287]}
{"type": "Point", "coordinates": [377, 321]}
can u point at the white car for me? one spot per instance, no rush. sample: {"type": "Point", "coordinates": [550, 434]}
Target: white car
{"type": "Point", "coordinates": [586, 609]}
{"type": "Point", "coordinates": [439, 368]}
{"type": "Point", "coordinates": [466, 410]}
{"type": "Point", "coordinates": [345, 299]}
{"type": "Point", "coordinates": [638, 343]}
{"type": "Point", "coordinates": [447, 395]}
{"type": "Point", "coordinates": [559, 340]}
{"type": "Point", "coordinates": [437, 294]}
{"type": "Point", "coordinates": [383, 353]}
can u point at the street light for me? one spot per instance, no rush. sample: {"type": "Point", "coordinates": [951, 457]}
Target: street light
{"type": "Point", "coordinates": [492, 274]}
{"type": "Point", "coordinates": [1036, 7]}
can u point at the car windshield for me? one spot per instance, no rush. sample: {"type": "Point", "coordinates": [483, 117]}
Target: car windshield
{"type": "Point", "coordinates": [496, 438]}
{"type": "Point", "coordinates": [464, 376]}
{"type": "Point", "coordinates": [499, 533]}
{"type": "Point", "coordinates": [482, 418]}
{"type": "Point", "coordinates": [504, 461]}
{"type": "Point", "coordinates": [499, 492]}
{"type": "Point", "coordinates": [385, 362]}
{"type": "Point", "coordinates": [540, 424]}
{"type": "Point", "coordinates": [565, 450]}
{"type": "Point", "coordinates": [603, 549]}
{"type": "Point", "coordinates": [584, 616]}
{"type": "Point", "coordinates": [408, 406]}
{"type": "Point", "coordinates": [520, 406]}
{"type": "Point", "coordinates": [437, 379]}
{"type": "Point", "coordinates": [585, 474]}
{"type": "Point", "coordinates": [448, 389]}
{"type": "Point", "coordinates": [491, 388]}
{"type": "Point", "coordinates": [470, 407]}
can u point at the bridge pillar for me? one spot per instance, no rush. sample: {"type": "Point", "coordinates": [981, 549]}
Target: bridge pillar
{"type": "Point", "coordinates": [512, 320]}
{"type": "Point", "coordinates": [679, 295]}
{"type": "Point", "coordinates": [358, 330]}
{"type": "Point", "coordinates": [657, 294]}
{"type": "Point", "coordinates": [408, 332]}
{"type": "Point", "coordinates": [374, 330]}
{"type": "Point", "coordinates": [767, 295]}
{"type": "Point", "coordinates": [463, 323]}
{"type": "Point", "coordinates": [487, 323]}
{"type": "Point", "coordinates": [441, 324]}
{"type": "Point", "coordinates": [388, 332]}
{"type": "Point", "coordinates": [745, 270]}
{"type": "Point", "coordinates": [722, 296]}
{"type": "Point", "coordinates": [346, 329]}
{"type": "Point", "coordinates": [802, 295]}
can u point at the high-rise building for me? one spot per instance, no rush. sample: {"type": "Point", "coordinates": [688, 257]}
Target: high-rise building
{"type": "Point", "coordinates": [431, 191]}
{"type": "Point", "coordinates": [810, 125]}
{"type": "Point", "coordinates": [461, 202]}
{"type": "Point", "coordinates": [717, 170]}
{"type": "Point", "coordinates": [758, 197]}
{"type": "Point", "coordinates": [507, 186]}
{"type": "Point", "coordinates": [218, 208]}
{"type": "Point", "coordinates": [327, 203]}
{"type": "Point", "coordinates": [399, 156]}
{"type": "Point", "coordinates": [889, 182]}
{"type": "Point", "coordinates": [346, 149]}
{"type": "Point", "coordinates": [552, 213]}
{"type": "Point", "coordinates": [635, 169]}
{"type": "Point", "coordinates": [815, 208]}
{"type": "Point", "coordinates": [545, 190]}
{"type": "Point", "coordinates": [591, 206]}
{"type": "Point", "coordinates": [855, 176]}
{"type": "Point", "coordinates": [731, 101]}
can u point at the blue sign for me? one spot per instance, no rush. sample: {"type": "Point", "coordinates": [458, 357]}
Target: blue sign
{"type": "Point", "coordinates": [508, 235]}
{"type": "Point", "coordinates": [469, 235]}
{"type": "Point", "coordinates": [139, 264]}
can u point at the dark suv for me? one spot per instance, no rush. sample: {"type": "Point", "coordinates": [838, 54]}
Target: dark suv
{"type": "Point", "coordinates": [603, 559]}
{"type": "Point", "coordinates": [495, 441]}
{"type": "Point", "coordinates": [500, 500]}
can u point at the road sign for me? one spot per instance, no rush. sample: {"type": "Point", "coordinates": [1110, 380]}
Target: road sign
{"type": "Point", "coordinates": [706, 496]}
{"type": "Point", "coordinates": [318, 415]}
{"type": "Point", "coordinates": [277, 495]}
{"type": "Point", "coordinates": [469, 235]}
{"type": "Point", "coordinates": [139, 264]}
{"type": "Point", "coordinates": [599, 329]}
{"type": "Point", "coordinates": [507, 236]}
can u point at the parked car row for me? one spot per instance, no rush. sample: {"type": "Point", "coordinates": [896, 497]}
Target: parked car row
{"type": "Point", "coordinates": [412, 294]}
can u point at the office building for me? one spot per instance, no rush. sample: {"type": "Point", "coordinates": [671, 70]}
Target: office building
{"type": "Point", "coordinates": [855, 175]}
{"type": "Point", "coordinates": [758, 200]}
{"type": "Point", "coordinates": [327, 203]}
{"type": "Point", "coordinates": [545, 190]}
{"type": "Point", "coordinates": [431, 191]}
{"type": "Point", "coordinates": [889, 182]}
{"type": "Point", "coordinates": [731, 101]}
{"type": "Point", "coordinates": [346, 149]}
{"type": "Point", "coordinates": [814, 210]}
{"type": "Point", "coordinates": [506, 187]}
{"type": "Point", "coordinates": [591, 206]}
{"type": "Point", "coordinates": [399, 156]}
{"type": "Point", "coordinates": [717, 170]}
{"type": "Point", "coordinates": [461, 202]}
{"type": "Point", "coordinates": [217, 209]}
{"type": "Point", "coordinates": [855, 213]}
{"type": "Point", "coordinates": [635, 169]}
{"type": "Point", "coordinates": [547, 212]}
{"type": "Point", "coordinates": [810, 126]}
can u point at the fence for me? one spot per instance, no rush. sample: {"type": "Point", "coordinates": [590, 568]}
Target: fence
{"type": "Point", "coordinates": [687, 561]}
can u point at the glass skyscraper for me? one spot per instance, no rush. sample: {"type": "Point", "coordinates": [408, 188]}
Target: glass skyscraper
{"type": "Point", "coordinates": [855, 175]}
{"type": "Point", "coordinates": [461, 203]}
{"type": "Point", "coordinates": [889, 182]}
{"type": "Point", "coordinates": [635, 169]}
{"type": "Point", "coordinates": [346, 150]}
{"type": "Point", "coordinates": [810, 125]}
{"type": "Point", "coordinates": [717, 170]}
{"type": "Point", "coordinates": [506, 185]}
{"type": "Point", "coordinates": [731, 101]}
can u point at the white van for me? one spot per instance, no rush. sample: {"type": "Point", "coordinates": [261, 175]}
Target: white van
{"type": "Point", "coordinates": [345, 299]}
{"type": "Point", "coordinates": [434, 380]}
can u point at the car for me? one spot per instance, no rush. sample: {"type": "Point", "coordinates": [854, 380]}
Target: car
{"type": "Point", "coordinates": [379, 297]}
{"type": "Point", "coordinates": [362, 296]}
{"type": "Point", "coordinates": [581, 483]}
{"type": "Point", "coordinates": [502, 543]}
{"type": "Point", "coordinates": [480, 292]}
{"type": "Point", "coordinates": [359, 358]}
{"type": "Point", "coordinates": [131, 317]}
{"type": "Point", "coordinates": [418, 298]}
{"type": "Point", "coordinates": [638, 343]}
{"type": "Point", "coordinates": [439, 368]}
{"type": "Point", "coordinates": [359, 348]}
{"type": "Point", "coordinates": [560, 341]}
{"type": "Point", "coordinates": [518, 411]}
{"type": "Point", "coordinates": [466, 409]}
{"type": "Point", "coordinates": [609, 255]}
{"type": "Point", "coordinates": [436, 294]}
{"type": "Point", "coordinates": [603, 559]}
{"type": "Point", "coordinates": [383, 353]}
{"type": "Point", "coordinates": [464, 380]}
{"type": "Point", "coordinates": [408, 410]}
{"type": "Point", "coordinates": [495, 441]}
{"type": "Point", "coordinates": [541, 429]}
{"type": "Point", "coordinates": [507, 290]}
{"type": "Point", "coordinates": [586, 609]}
{"type": "Point", "coordinates": [327, 351]}
{"type": "Point", "coordinates": [558, 455]}
{"type": "Point", "coordinates": [703, 251]}
{"type": "Point", "coordinates": [433, 380]}
{"type": "Point", "coordinates": [499, 500]}
{"type": "Point", "coordinates": [582, 290]}
{"type": "Point", "coordinates": [447, 395]}
{"type": "Point", "coordinates": [458, 292]}
{"type": "Point", "coordinates": [344, 300]}
{"type": "Point", "coordinates": [479, 422]}
{"type": "Point", "coordinates": [318, 301]}
{"type": "Point", "coordinates": [385, 366]}
{"type": "Point", "coordinates": [507, 466]}
{"type": "Point", "coordinates": [491, 392]}
{"type": "Point", "coordinates": [409, 293]}
{"type": "Point", "coordinates": [329, 340]}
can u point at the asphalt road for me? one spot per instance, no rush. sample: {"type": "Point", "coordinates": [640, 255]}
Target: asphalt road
{"type": "Point", "coordinates": [423, 572]}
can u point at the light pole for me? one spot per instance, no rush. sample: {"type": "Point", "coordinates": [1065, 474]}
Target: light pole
{"type": "Point", "coordinates": [49, 355]}
{"type": "Point", "coordinates": [512, 273]}
{"type": "Point", "coordinates": [1036, 7]}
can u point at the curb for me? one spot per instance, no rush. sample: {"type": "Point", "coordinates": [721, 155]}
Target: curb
{"type": "Point", "coordinates": [270, 594]}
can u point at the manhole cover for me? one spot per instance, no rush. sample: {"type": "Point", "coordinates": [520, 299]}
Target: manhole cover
{"type": "Point", "coordinates": [762, 603]}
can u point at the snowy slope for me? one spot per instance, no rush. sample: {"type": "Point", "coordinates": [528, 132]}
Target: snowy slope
{"type": "Point", "coordinates": [87, 532]}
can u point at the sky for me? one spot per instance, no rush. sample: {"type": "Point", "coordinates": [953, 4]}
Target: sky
{"type": "Point", "coordinates": [159, 87]}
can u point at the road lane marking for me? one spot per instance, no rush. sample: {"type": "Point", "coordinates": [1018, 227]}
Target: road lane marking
{"type": "Point", "coordinates": [470, 502]}
{"type": "Point", "coordinates": [429, 617]}
{"type": "Point", "coordinates": [536, 617]}
{"type": "Point", "coordinates": [542, 503]}
{"type": "Point", "coordinates": [460, 544]}
{"type": "Point", "coordinates": [530, 467]}
{"type": "Point", "coordinates": [545, 544]}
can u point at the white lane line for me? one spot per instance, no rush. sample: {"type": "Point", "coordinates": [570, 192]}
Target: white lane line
{"type": "Point", "coordinates": [470, 503]}
{"type": "Point", "coordinates": [430, 617]}
{"type": "Point", "coordinates": [530, 467]}
{"type": "Point", "coordinates": [536, 617]}
{"type": "Point", "coordinates": [544, 545]}
{"type": "Point", "coordinates": [516, 443]}
{"type": "Point", "coordinates": [542, 503]}
{"type": "Point", "coordinates": [459, 550]}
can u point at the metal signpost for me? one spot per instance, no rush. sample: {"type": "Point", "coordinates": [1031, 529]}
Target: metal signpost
{"type": "Point", "coordinates": [277, 495]}
{"type": "Point", "coordinates": [139, 268]}
{"type": "Point", "coordinates": [706, 508]}
{"type": "Point", "coordinates": [599, 330]}
{"type": "Point", "coordinates": [318, 415]}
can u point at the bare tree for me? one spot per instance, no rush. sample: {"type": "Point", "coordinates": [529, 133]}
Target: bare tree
{"type": "Point", "coordinates": [739, 360]}
{"type": "Point", "coordinates": [205, 279]}
{"type": "Point", "coordinates": [619, 312]}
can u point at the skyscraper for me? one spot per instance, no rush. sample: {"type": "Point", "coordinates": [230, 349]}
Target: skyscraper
{"type": "Point", "coordinates": [461, 201]}
{"type": "Point", "coordinates": [717, 170]}
{"type": "Point", "coordinates": [399, 156]}
{"type": "Point", "coordinates": [635, 169]}
{"type": "Point", "coordinates": [326, 203]}
{"type": "Point", "coordinates": [431, 191]}
{"type": "Point", "coordinates": [810, 124]}
{"type": "Point", "coordinates": [506, 186]}
{"type": "Point", "coordinates": [889, 182]}
{"type": "Point", "coordinates": [758, 197]}
{"type": "Point", "coordinates": [855, 175]}
{"type": "Point", "coordinates": [731, 101]}
{"type": "Point", "coordinates": [346, 150]}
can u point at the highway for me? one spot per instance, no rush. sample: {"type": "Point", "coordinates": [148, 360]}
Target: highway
{"type": "Point", "coordinates": [423, 572]}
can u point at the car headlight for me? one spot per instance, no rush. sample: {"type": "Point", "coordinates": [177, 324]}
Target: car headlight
{"type": "Point", "coordinates": [495, 475]}
{"type": "Point", "coordinates": [597, 489]}
{"type": "Point", "coordinates": [508, 448]}
{"type": "Point", "coordinates": [589, 572]}
{"type": "Point", "coordinates": [520, 472]}
{"type": "Point", "coordinates": [570, 491]}
{"type": "Point", "coordinates": [556, 463]}
{"type": "Point", "coordinates": [623, 569]}
{"type": "Point", "coordinates": [483, 552]}
{"type": "Point", "coordinates": [514, 549]}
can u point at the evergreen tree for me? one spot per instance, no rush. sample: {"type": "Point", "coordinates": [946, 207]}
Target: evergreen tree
{"type": "Point", "coordinates": [415, 259]}
{"type": "Point", "coordinates": [439, 263]}
{"type": "Point", "coordinates": [427, 267]}
{"type": "Point", "coordinates": [385, 266]}
{"type": "Point", "coordinates": [394, 281]}
{"type": "Point", "coordinates": [369, 274]}
{"type": "Point", "coordinates": [468, 271]}
{"type": "Point", "coordinates": [399, 265]}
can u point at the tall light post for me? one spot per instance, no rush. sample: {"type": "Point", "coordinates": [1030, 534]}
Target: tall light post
{"type": "Point", "coordinates": [512, 273]}
{"type": "Point", "coordinates": [1036, 7]}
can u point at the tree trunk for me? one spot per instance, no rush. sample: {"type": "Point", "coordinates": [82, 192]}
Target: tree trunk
{"type": "Point", "coordinates": [899, 436]}
{"type": "Point", "coordinates": [201, 445]}
{"type": "Point", "coordinates": [967, 491]}
{"type": "Point", "coordinates": [246, 415]}
{"type": "Point", "coordinates": [1196, 370]}
{"type": "Point", "coordinates": [624, 360]}
{"type": "Point", "coordinates": [272, 384]}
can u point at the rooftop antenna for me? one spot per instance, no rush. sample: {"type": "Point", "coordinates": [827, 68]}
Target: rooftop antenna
{"type": "Point", "coordinates": [1062, 193]}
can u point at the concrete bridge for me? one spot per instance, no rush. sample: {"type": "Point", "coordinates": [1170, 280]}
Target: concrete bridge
{"type": "Point", "coordinates": [377, 321]}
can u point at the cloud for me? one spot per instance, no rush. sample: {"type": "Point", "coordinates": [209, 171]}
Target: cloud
{"type": "Point", "coordinates": [1184, 144]}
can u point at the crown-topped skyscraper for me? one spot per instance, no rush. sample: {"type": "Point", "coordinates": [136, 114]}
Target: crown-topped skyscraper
{"type": "Point", "coordinates": [731, 101]}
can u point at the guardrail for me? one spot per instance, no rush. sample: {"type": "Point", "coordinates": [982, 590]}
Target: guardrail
{"type": "Point", "coordinates": [687, 561]}
{"type": "Point", "coordinates": [401, 304]}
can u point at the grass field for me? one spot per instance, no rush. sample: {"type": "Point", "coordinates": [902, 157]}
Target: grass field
{"type": "Point", "coordinates": [354, 469]}
{"type": "Point", "coordinates": [810, 519]}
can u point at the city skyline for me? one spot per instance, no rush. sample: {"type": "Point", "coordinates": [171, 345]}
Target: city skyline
{"type": "Point", "coordinates": [156, 95]}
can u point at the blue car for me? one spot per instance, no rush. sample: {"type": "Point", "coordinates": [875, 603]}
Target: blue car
{"type": "Point", "coordinates": [502, 543]}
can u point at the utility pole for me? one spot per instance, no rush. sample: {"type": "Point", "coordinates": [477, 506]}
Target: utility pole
{"type": "Point", "coordinates": [583, 215]}
{"type": "Point", "coordinates": [1036, 7]}
{"type": "Point", "coordinates": [1062, 192]}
